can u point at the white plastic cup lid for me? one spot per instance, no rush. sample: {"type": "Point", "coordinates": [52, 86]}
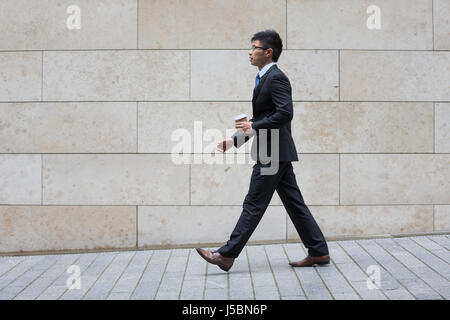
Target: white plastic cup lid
{"type": "Point", "coordinates": [239, 117]}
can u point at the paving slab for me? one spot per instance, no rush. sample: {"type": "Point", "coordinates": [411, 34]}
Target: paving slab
{"type": "Point", "coordinates": [385, 268]}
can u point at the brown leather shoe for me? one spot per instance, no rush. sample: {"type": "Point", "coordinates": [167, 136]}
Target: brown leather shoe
{"type": "Point", "coordinates": [216, 258]}
{"type": "Point", "coordinates": [309, 261]}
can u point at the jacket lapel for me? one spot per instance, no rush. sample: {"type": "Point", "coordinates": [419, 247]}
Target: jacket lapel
{"type": "Point", "coordinates": [261, 82]}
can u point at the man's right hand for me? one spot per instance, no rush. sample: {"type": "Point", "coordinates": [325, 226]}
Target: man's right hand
{"type": "Point", "coordinates": [225, 144]}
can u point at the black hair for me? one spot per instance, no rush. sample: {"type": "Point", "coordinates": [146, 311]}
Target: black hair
{"type": "Point", "coordinates": [270, 39]}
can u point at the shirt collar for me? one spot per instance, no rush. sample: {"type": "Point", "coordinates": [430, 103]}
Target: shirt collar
{"type": "Point", "coordinates": [265, 68]}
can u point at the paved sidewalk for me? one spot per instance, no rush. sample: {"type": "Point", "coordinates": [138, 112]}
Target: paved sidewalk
{"type": "Point", "coordinates": [403, 268]}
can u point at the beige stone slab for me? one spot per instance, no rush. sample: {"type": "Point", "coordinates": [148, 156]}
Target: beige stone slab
{"type": "Point", "coordinates": [228, 184]}
{"type": "Point", "coordinates": [220, 184]}
{"type": "Point", "coordinates": [20, 179]}
{"type": "Point", "coordinates": [395, 179]}
{"type": "Point", "coordinates": [441, 218]}
{"type": "Point", "coordinates": [173, 225]}
{"type": "Point", "coordinates": [441, 9]}
{"type": "Point", "coordinates": [68, 127]}
{"type": "Point", "coordinates": [43, 25]}
{"type": "Point", "coordinates": [114, 179]}
{"type": "Point", "coordinates": [313, 74]}
{"type": "Point", "coordinates": [363, 127]}
{"type": "Point", "coordinates": [316, 127]}
{"type": "Point", "coordinates": [163, 126]}
{"type": "Point", "coordinates": [342, 24]}
{"type": "Point", "coordinates": [337, 221]}
{"type": "Point", "coordinates": [442, 127]}
{"type": "Point", "coordinates": [20, 76]}
{"type": "Point", "coordinates": [207, 24]}
{"type": "Point", "coordinates": [318, 178]}
{"type": "Point", "coordinates": [231, 79]}
{"type": "Point", "coordinates": [116, 75]}
{"type": "Point", "coordinates": [39, 228]}
{"type": "Point", "coordinates": [394, 75]}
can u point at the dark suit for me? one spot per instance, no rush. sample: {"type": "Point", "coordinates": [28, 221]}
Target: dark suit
{"type": "Point", "coordinates": [273, 109]}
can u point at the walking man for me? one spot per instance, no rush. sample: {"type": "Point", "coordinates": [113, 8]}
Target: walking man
{"type": "Point", "coordinates": [272, 111]}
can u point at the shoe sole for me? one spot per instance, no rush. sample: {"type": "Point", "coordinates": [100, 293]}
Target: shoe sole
{"type": "Point", "coordinates": [223, 268]}
{"type": "Point", "coordinates": [311, 265]}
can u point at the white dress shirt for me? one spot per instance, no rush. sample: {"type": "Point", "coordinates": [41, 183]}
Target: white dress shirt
{"type": "Point", "coordinates": [265, 68]}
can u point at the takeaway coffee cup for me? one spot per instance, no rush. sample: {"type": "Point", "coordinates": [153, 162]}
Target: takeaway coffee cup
{"type": "Point", "coordinates": [240, 118]}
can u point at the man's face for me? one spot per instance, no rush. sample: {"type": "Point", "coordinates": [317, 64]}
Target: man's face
{"type": "Point", "coordinates": [259, 57]}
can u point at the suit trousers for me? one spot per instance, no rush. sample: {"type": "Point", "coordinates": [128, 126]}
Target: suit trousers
{"type": "Point", "coordinates": [262, 187]}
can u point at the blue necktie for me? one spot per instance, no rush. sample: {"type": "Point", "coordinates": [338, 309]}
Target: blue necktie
{"type": "Point", "coordinates": [257, 81]}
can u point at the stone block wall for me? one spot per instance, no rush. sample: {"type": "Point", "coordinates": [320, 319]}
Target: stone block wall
{"type": "Point", "coordinates": [87, 116]}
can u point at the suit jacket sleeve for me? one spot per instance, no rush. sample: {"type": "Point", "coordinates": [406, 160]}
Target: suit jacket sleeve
{"type": "Point", "coordinates": [280, 90]}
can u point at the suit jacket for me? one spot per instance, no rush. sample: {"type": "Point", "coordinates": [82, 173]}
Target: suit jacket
{"type": "Point", "coordinates": [272, 109]}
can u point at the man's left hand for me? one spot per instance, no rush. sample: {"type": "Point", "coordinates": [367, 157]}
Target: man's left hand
{"type": "Point", "coordinates": [244, 125]}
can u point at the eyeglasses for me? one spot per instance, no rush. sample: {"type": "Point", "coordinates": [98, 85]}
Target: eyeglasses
{"type": "Point", "coordinates": [253, 48]}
